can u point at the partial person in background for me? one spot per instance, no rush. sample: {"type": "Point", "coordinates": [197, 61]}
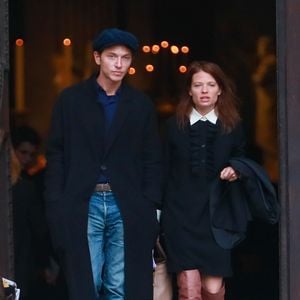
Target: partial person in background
{"type": "Point", "coordinates": [26, 143]}
{"type": "Point", "coordinates": [26, 228]}
{"type": "Point", "coordinates": [103, 178]}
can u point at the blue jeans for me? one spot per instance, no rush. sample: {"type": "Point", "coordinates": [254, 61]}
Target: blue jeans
{"type": "Point", "coordinates": [106, 244]}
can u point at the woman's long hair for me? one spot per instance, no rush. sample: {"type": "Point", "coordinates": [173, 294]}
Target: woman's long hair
{"type": "Point", "coordinates": [227, 103]}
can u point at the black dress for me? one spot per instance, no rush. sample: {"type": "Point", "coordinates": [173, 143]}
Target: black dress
{"type": "Point", "coordinates": [186, 229]}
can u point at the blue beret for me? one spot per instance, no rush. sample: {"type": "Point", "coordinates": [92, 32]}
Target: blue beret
{"type": "Point", "coordinates": [114, 36]}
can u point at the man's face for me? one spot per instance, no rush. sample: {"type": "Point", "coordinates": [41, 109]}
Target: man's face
{"type": "Point", "coordinates": [114, 62]}
{"type": "Point", "coordinates": [26, 154]}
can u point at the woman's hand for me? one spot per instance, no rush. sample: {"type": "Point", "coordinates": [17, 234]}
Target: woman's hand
{"type": "Point", "coordinates": [229, 174]}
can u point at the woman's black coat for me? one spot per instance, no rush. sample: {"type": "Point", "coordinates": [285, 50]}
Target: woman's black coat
{"type": "Point", "coordinates": [234, 204]}
{"type": "Point", "coordinates": [183, 187]}
{"type": "Point", "coordinates": [130, 157]}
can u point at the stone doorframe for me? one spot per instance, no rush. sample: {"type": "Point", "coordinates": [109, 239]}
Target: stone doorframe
{"type": "Point", "coordinates": [6, 237]}
{"type": "Point", "coordinates": [288, 76]}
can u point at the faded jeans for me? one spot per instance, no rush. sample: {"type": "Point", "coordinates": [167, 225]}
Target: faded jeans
{"type": "Point", "coordinates": [106, 245]}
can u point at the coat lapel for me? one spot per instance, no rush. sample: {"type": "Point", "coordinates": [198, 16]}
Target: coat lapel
{"type": "Point", "coordinates": [93, 118]}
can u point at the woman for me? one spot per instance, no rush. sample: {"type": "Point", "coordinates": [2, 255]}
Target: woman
{"type": "Point", "coordinates": [200, 140]}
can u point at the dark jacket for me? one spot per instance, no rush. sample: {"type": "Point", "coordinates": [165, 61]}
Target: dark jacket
{"type": "Point", "coordinates": [185, 214]}
{"type": "Point", "coordinates": [234, 204]}
{"type": "Point", "coordinates": [29, 232]}
{"type": "Point", "coordinates": [130, 157]}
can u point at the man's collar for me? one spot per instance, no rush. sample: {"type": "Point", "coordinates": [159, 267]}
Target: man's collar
{"type": "Point", "coordinates": [102, 91]}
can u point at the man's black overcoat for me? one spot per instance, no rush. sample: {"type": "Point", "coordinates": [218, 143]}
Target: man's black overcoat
{"type": "Point", "coordinates": [129, 154]}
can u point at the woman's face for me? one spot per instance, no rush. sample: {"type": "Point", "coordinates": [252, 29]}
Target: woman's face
{"type": "Point", "coordinates": [204, 92]}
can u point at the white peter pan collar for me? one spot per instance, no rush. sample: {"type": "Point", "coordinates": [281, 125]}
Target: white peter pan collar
{"type": "Point", "coordinates": [195, 116]}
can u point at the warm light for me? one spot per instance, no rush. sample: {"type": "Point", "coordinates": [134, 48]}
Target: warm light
{"type": "Point", "coordinates": [19, 42]}
{"type": "Point", "coordinates": [182, 69]}
{"type": "Point", "coordinates": [39, 165]}
{"type": "Point", "coordinates": [166, 107]}
{"type": "Point", "coordinates": [185, 49]}
{"type": "Point", "coordinates": [155, 49]}
{"type": "Point", "coordinates": [164, 44]}
{"type": "Point", "coordinates": [149, 68]}
{"type": "Point", "coordinates": [67, 42]}
{"type": "Point", "coordinates": [146, 49]}
{"type": "Point", "coordinates": [131, 71]}
{"type": "Point", "coordinates": [174, 49]}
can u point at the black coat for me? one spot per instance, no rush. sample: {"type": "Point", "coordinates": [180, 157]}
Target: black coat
{"type": "Point", "coordinates": [234, 204]}
{"type": "Point", "coordinates": [185, 224]}
{"type": "Point", "coordinates": [130, 157]}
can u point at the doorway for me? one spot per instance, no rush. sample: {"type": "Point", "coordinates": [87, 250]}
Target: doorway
{"type": "Point", "coordinates": [234, 37]}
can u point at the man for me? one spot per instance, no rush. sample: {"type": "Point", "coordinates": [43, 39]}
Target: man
{"type": "Point", "coordinates": [103, 178]}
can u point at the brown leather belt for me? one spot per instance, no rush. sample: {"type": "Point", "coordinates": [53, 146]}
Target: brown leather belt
{"type": "Point", "coordinates": [102, 187]}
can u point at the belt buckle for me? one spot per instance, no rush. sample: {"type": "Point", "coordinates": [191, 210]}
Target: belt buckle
{"type": "Point", "coordinates": [103, 187]}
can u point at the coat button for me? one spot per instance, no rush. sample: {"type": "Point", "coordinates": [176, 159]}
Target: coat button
{"type": "Point", "coordinates": [103, 167]}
